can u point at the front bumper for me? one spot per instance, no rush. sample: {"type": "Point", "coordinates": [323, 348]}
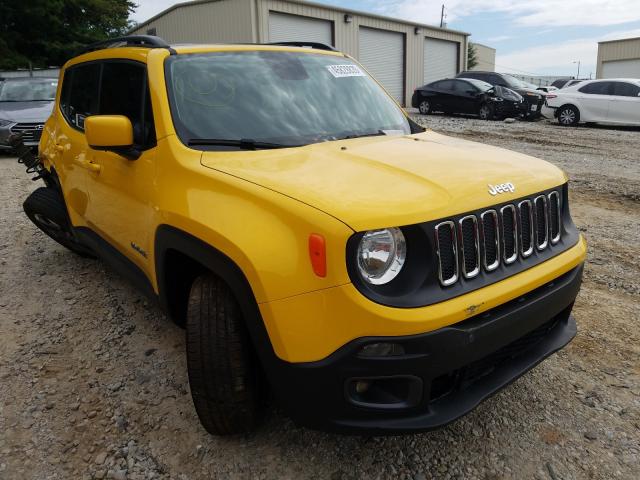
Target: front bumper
{"type": "Point", "coordinates": [509, 108]}
{"type": "Point", "coordinates": [442, 374]}
{"type": "Point", "coordinates": [533, 107]}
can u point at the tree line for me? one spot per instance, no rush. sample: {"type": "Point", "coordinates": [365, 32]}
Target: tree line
{"type": "Point", "coordinates": [42, 33]}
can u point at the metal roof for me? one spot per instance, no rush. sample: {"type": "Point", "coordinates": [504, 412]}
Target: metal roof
{"type": "Point", "coordinates": [311, 4]}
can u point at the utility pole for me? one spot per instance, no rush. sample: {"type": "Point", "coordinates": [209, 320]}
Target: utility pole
{"type": "Point", "coordinates": [442, 17]}
{"type": "Point", "coordinates": [578, 76]}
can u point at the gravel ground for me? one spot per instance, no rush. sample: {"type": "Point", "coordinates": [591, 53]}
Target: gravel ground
{"type": "Point", "coordinates": [93, 380]}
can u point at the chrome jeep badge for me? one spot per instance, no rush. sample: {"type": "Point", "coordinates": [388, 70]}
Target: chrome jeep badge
{"type": "Point", "coordinates": [502, 188]}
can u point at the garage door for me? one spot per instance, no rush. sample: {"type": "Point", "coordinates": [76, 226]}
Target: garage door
{"type": "Point", "coordinates": [293, 28]}
{"type": "Point", "coordinates": [440, 59]}
{"type": "Point", "coordinates": [621, 69]}
{"type": "Point", "coordinates": [382, 53]}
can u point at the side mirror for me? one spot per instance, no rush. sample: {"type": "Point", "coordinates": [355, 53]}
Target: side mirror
{"type": "Point", "coordinates": [112, 133]}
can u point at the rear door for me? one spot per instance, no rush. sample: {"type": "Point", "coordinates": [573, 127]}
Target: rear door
{"type": "Point", "coordinates": [624, 106]}
{"type": "Point", "coordinates": [593, 101]}
{"type": "Point", "coordinates": [444, 95]}
{"type": "Point", "coordinates": [78, 100]}
{"type": "Point", "coordinates": [464, 97]}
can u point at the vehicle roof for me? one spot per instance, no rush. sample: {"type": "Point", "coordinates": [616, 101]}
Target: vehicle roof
{"type": "Point", "coordinates": [595, 80]}
{"type": "Point", "coordinates": [225, 47]}
{"type": "Point", "coordinates": [27, 79]}
{"type": "Point", "coordinates": [482, 71]}
{"type": "Point", "coordinates": [141, 53]}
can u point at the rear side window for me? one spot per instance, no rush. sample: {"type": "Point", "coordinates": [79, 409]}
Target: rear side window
{"type": "Point", "coordinates": [462, 87]}
{"type": "Point", "coordinates": [80, 93]}
{"type": "Point", "coordinates": [623, 89]}
{"type": "Point", "coordinates": [444, 85]}
{"type": "Point", "coordinates": [597, 88]}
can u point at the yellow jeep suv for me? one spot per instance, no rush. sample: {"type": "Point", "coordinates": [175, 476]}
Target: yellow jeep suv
{"type": "Point", "coordinates": [313, 240]}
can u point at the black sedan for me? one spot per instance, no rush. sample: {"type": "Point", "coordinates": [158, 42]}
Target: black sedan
{"type": "Point", "coordinates": [532, 97]}
{"type": "Point", "coordinates": [468, 96]}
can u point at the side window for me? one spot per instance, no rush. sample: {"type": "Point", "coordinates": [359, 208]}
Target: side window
{"type": "Point", "coordinates": [460, 86]}
{"type": "Point", "coordinates": [623, 89]}
{"type": "Point", "coordinates": [497, 80]}
{"type": "Point", "coordinates": [80, 93]}
{"type": "Point", "coordinates": [597, 88]}
{"type": "Point", "coordinates": [445, 85]}
{"type": "Point", "coordinates": [124, 92]}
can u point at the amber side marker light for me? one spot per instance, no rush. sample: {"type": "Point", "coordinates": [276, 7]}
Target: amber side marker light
{"type": "Point", "coordinates": [318, 254]}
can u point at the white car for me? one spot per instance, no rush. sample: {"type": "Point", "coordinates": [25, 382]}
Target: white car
{"type": "Point", "coordinates": [613, 101]}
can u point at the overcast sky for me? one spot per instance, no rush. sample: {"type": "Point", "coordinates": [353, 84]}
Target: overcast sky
{"type": "Point", "coordinates": [532, 36]}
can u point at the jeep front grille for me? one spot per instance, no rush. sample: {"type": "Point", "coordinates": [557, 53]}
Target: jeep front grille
{"type": "Point", "coordinates": [447, 248]}
{"type": "Point", "coordinates": [470, 246]}
{"type": "Point", "coordinates": [498, 236]}
{"type": "Point", "coordinates": [542, 224]}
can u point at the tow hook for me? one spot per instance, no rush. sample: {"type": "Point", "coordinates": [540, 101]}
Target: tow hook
{"type": "Point", "coordinates": [30, 160]}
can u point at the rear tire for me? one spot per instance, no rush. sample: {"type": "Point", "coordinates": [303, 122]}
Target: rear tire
{"type": "Point", "coordinates": [45, 207]}
{"type": "Point", "coordinates": [486, 112]}
{"type": "Point", "coordinates": [568, 116]}
{"type": "Point", "coordinates": [224, 374]}
{"type": "Point", "coordinates": [425, 107]}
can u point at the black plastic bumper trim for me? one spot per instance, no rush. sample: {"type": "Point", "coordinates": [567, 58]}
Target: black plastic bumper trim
{"type": "Point", "coordinates": [313, 393]}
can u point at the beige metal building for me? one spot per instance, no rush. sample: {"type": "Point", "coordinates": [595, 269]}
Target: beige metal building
{"type": "Point", "coordinates": [619, 58]}
{"type": "Point", "coordinates": [486, 57]}
{"type": "Point", "coordinates": [400, 54]}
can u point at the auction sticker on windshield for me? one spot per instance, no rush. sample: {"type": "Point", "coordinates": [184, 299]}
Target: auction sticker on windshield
{"type": "Point", "coordinates": [340, 71]}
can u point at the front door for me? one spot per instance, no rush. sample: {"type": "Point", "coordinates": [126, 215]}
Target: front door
{"type": "Point", "coordinates": [624, 106]}
{"type": "Point", "coordinates": [121, 190]}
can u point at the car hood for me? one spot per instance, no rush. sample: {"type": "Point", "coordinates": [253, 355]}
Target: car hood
{"type": "Point", "coordinates": [26, 111]}
{"type": "Point", "coordinates": [378, 182]}
{"type": "Point", "coordinates": [524, 91]}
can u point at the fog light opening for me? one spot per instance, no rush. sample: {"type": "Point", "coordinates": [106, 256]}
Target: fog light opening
{"type": "Point", "coordinates": [362, 386]}
{"type": "Point", "coordinates": [381, 350]}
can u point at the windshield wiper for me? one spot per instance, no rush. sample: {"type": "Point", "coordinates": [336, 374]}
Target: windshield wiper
{"type": "Point", "coordinates": [243, 143]}
{"type": "Point", "coordinates": [360, 135]}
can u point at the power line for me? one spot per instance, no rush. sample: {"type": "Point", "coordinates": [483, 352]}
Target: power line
{"type": "Point", "coordinates": [520, 71]}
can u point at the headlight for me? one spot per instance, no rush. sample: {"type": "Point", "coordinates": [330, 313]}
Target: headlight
{"type": "Point", "coordinates": [4, 123]}
{"type": "Point", "coordinates": [381, 255]}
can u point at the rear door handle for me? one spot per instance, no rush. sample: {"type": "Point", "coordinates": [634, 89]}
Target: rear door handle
{"type": "Point", "coordinates": [86, 164]}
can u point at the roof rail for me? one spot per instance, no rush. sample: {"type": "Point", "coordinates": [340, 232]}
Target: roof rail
{"type": "Point", "coordinates": [145, 41]}
{"type": "Point", "coordinates": [316, 45]}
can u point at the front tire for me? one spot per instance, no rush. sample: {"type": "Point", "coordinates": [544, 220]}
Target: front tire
{"type": "Point", "coordinates": [224, 374]}
{"type": "Point", "coordinates": [45, 207]}
{"type": "Point", "coordinates": [568, 116]}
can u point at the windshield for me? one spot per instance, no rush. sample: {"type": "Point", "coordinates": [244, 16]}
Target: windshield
{"type": "Point", "coordinates": [483, 86]}
{"type": "Point", "coordinates": [280, 98]}
{"type": "Point", "coordinates": [28, 90]}
{"type": "Point", "coordinates": [513, 82]}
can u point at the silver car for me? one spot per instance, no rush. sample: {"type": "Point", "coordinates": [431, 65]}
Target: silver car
{"type": "Point", "coordinates": [25, 105]}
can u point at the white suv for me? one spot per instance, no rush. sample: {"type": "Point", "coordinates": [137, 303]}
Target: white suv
{"type": "Point", "coordinates": [614, 101]}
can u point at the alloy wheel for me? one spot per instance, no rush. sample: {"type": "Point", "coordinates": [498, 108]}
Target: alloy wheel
{"type": "Point", "coordinates": [567, 116]}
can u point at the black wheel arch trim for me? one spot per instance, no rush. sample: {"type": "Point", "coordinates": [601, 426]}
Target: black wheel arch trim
{"type": "Point", "coordinates": [169, 239]}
